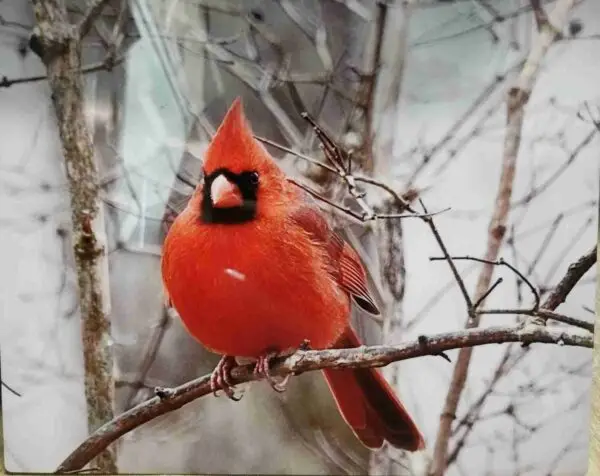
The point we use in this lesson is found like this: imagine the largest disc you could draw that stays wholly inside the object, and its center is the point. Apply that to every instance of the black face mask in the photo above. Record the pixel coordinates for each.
(247, 183)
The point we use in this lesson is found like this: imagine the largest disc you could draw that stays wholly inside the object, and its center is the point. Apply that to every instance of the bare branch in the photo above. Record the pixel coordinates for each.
(401, 200)
(340, 164)
(574, 274)
(304, 361)
(362, 218)
(517, 12)
(558, 295)
(448, 258)
(94, 10)
(304, 157)
(500, 262)
(546, 314)
(543, 314)
(150, 353)
(490, 290)
(10, 389)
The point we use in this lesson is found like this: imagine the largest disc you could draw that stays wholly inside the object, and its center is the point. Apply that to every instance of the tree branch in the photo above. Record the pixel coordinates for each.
(94, 9)
(10, 389)
(304, 361)
(574, 274)
(543, 315)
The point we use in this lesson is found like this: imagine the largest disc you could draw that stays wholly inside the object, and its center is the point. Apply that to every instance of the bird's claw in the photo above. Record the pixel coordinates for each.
(305, 345)
(221, 378)
(262, 370)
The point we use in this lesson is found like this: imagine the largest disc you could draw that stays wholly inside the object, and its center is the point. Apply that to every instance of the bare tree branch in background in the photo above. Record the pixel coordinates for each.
(517, 12)
(517, 99)
(574, 274)
(149, 355)
(58, 43)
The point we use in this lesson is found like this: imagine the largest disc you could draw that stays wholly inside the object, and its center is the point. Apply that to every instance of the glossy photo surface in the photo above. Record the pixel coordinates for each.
(300, 237)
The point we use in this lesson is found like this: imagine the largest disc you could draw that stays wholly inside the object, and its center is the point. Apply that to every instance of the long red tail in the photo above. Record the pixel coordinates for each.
(369, 405)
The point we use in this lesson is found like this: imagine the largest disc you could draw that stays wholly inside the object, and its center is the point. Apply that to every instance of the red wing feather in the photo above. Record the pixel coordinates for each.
(354, 279)
(346, 267)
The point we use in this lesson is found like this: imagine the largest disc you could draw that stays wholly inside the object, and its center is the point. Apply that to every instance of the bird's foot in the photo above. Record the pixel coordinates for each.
(262, 370)
(305, 345)
(221, 378)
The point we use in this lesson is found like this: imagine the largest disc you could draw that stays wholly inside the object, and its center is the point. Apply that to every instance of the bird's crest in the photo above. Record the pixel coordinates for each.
(234, 147)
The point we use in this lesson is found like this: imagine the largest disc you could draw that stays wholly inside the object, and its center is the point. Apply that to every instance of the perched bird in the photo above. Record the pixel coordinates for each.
(253, 268)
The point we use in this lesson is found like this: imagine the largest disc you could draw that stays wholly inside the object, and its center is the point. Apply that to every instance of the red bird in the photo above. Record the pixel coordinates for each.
(253, 268)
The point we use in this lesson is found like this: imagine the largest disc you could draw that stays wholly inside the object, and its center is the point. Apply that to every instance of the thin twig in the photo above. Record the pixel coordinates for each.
(297, 154)
(499, 262)
(341, 162)
(402, 200)
(448, 258)
(484, 296)
(10, 389)
(150, 353)
(544, 314)
(362, 218)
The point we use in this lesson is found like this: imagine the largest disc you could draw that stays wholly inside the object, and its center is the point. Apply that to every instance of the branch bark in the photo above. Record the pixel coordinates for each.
(574, 274)
(518, 97)
(58, 43)
(304, 361)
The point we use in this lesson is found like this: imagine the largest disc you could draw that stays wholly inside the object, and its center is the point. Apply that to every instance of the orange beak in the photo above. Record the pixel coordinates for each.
(225, 194)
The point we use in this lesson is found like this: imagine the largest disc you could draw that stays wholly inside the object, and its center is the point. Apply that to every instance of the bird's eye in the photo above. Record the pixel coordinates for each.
(253, 178)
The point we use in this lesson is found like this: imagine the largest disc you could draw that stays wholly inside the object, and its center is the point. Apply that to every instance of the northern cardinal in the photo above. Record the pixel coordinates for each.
(253, 268)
